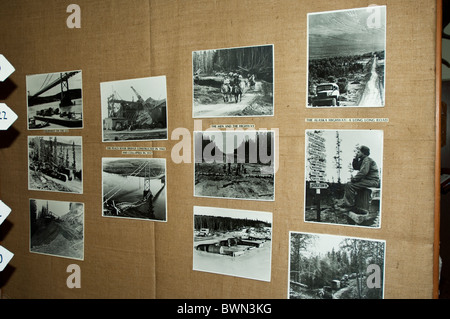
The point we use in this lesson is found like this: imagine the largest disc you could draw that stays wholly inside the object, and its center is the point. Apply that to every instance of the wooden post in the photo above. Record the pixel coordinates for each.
(318, 204)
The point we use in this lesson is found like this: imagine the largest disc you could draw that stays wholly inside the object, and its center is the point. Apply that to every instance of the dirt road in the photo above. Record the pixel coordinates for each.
(224, 109)
(372, 95)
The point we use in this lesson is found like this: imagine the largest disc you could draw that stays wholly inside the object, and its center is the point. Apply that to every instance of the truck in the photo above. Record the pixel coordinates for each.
(326, 94)
(203, 232)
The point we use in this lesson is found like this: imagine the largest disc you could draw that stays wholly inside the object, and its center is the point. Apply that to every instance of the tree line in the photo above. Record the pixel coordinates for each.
(54, 152)
(334, 68)
(258, 150)
(247, 60)
(224, 224)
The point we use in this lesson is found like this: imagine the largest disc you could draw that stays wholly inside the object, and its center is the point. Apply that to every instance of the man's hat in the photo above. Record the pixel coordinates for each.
(365, 150)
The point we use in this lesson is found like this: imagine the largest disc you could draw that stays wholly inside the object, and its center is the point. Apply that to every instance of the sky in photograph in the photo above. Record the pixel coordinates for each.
(232, 139)
(149, 87)
(61, 139)
(35, 82)
(346, 32)
(324, 243)
(58, 208)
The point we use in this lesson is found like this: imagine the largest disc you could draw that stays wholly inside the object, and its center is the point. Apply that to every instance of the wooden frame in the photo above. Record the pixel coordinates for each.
(436, 272)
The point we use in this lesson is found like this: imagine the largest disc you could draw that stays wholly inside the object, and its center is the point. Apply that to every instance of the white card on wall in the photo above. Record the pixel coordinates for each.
(5, 257)
(7, 117)
(6, 68)
(4, 211)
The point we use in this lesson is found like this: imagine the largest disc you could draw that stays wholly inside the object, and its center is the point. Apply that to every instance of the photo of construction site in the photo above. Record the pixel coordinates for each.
(57, 228)
(233, 242)
(55, 163)
(134, 109)
(134, 188)
(54, 100)
(335, 267)
(235, 164)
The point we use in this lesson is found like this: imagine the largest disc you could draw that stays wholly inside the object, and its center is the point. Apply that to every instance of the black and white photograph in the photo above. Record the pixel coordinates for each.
(55, 164)
(343, 173)
(57, 228)
(233, 242)
(55, 100)
(235, 164)
(134, 109)
(233, 82)
(134, 188)
(346, 58)
(335, 267)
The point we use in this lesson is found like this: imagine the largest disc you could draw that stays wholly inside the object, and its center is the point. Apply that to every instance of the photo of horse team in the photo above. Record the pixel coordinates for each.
(234, 82)
(234, 85)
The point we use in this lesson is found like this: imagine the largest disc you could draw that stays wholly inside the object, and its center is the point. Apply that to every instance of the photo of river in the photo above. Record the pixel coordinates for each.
(134, 188)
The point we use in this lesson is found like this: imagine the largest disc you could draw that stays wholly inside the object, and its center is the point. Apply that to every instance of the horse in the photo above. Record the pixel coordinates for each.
(237, 92)
(226, 92)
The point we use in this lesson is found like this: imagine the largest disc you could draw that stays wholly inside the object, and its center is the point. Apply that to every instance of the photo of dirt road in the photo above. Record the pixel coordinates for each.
(346, 58)
(233, 82)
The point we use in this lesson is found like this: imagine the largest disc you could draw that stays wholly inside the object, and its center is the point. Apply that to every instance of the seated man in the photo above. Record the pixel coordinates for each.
(366, 177)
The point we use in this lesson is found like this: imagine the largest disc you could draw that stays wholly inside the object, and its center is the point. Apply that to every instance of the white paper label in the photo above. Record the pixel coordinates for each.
(5, 257)
(4, 212)
(6, 68)
(7, 117)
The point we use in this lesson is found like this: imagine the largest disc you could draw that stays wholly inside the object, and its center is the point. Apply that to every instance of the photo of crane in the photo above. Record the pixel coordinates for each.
(54, 100)
(134, 109)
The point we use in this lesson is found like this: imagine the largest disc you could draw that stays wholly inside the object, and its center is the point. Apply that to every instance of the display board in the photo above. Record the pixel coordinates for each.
(207, 149)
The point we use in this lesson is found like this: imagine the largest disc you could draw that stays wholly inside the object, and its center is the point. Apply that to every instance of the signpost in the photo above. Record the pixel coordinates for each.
(318, 185)
(317, 163)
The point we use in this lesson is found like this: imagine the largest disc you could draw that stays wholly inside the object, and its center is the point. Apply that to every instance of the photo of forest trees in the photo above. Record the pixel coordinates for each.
(233, 82)
(55, 163)
(335, 267)
(236, 164)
